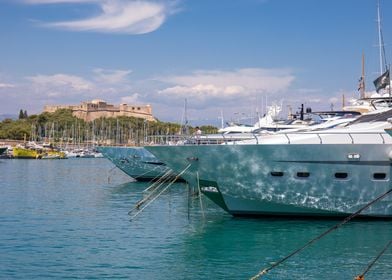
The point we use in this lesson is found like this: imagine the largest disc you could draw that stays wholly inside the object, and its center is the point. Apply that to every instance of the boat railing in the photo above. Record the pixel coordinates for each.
(203, 139)
(217, 139)
(351, 137)
(321, 137)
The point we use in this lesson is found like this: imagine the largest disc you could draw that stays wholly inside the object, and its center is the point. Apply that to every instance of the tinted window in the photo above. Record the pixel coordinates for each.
(379, 176)
(277, 173)
(303, 174)
(341, 175)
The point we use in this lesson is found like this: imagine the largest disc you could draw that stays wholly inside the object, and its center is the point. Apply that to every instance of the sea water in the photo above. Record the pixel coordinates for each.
(69, 219)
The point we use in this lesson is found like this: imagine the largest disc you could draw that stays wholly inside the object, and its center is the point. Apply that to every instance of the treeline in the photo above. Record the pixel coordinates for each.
(62, 127)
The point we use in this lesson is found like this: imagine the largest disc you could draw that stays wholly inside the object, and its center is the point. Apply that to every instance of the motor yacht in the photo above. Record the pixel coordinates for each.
(327, 172)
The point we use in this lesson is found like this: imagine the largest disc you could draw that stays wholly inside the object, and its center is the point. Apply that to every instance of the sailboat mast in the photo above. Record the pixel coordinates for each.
(184, 122)
(363, 77)
(186, 113)
(380, 45)
(221, 117)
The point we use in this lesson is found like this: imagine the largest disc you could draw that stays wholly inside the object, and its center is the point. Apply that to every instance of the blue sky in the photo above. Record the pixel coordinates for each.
(233, 56)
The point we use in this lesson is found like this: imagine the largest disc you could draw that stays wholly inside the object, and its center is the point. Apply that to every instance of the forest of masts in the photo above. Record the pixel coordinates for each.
(105, 132)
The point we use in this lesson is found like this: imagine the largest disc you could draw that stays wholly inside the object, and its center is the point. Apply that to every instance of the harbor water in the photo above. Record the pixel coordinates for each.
(69, 219)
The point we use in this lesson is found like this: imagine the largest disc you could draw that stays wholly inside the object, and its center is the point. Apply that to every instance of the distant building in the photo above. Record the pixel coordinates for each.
(95, 109)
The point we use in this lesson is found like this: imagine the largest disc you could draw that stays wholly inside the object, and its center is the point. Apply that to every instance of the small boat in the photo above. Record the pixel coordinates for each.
(36, 151)
(53, 155)
(25, 153)
(83, 153)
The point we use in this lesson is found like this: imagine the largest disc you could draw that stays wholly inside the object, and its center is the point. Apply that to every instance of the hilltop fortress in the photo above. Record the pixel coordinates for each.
(95, 109)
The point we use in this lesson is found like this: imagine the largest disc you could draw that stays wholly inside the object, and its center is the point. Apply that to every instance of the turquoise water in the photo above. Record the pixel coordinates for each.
(68, 219)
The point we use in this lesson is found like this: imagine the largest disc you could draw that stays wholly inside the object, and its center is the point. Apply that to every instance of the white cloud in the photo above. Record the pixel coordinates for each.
(5, 85)
(308, 90)
(117, 16)
(207, 92)
(62, 81)
(203, 85)
(333, 100)
(110, 85)
(131, 99)
(111, 76)
(204, 91)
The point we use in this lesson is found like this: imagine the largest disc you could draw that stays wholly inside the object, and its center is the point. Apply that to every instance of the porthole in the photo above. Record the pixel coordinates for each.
(341, 175)
(379, 176)
(303, 174)
(276, 173)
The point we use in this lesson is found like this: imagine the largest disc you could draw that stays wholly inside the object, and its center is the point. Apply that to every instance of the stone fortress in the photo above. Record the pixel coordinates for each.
(89, 111)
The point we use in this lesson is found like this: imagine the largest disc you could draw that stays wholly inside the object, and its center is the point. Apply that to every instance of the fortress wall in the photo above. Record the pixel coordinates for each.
(95, 109)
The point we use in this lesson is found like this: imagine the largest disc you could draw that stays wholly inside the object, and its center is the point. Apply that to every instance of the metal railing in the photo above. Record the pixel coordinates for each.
(218, 139)
(319, 135)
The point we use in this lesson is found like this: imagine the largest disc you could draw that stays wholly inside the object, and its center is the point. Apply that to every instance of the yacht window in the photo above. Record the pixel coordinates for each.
(376, 117)
(341, 175)
(303, 174)
(276, 173)
(379, 176)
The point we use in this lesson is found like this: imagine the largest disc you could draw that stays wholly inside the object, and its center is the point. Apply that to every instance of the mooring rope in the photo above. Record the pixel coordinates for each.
(162, 178)
(143, 200)
(200, 200)
(266, 270)
(362, 276)
(161, 192)
(188, 188)
(148, 171)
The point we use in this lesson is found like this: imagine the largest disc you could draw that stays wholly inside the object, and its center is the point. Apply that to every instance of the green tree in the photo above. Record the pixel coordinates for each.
(62, 126)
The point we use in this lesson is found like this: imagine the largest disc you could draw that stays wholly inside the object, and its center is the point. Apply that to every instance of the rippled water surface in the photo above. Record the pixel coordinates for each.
(68, 219)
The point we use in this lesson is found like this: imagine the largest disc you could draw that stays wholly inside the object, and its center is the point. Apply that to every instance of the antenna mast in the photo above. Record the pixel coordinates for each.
(381, 46)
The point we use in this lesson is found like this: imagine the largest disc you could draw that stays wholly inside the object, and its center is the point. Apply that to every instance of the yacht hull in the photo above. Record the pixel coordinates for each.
(136, 162)
(287, 180)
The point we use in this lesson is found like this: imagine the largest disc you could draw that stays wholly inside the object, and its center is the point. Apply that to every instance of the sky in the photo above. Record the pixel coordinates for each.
(226, 58)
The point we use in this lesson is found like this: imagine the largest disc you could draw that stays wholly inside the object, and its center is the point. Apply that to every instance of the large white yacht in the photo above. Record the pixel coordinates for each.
(269, 122)
(329, 172)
